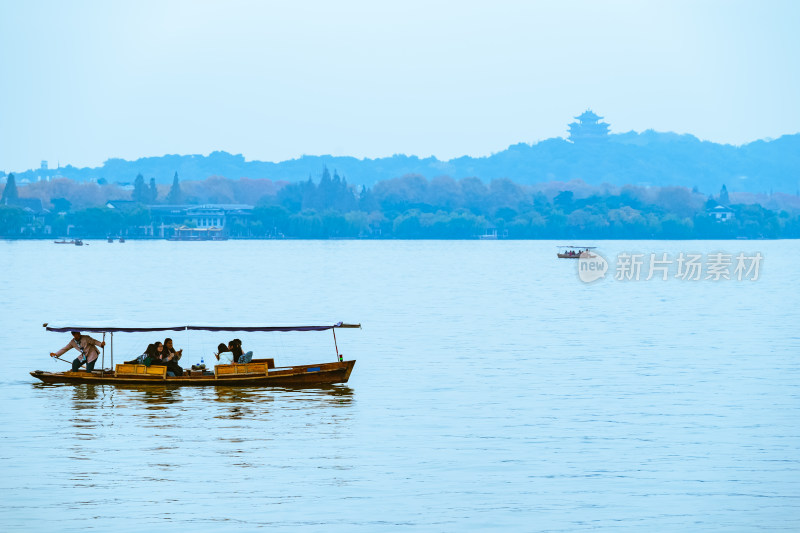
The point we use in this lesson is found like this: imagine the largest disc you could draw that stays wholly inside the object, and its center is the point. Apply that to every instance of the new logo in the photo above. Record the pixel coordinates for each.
(591, 266)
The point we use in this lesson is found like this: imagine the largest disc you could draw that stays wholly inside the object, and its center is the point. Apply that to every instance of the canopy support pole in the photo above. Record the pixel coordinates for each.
(112, 350)
(338, 357)
(103, 359)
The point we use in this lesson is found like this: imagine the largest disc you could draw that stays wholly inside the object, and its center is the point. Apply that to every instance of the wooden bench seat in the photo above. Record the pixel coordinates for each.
(141, 371)
(236, 370)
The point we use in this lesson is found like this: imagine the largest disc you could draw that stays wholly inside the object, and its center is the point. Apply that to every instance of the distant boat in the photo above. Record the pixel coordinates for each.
(122, 239)
(575, 252)
(111, 239)
(76, 242)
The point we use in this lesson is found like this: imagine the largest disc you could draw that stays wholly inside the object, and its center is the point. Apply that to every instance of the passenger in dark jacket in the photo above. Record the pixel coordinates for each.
(156, 354)
(159, 357)
(172, 357)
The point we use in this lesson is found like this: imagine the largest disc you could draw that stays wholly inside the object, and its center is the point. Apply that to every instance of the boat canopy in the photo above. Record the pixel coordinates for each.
(108, 328)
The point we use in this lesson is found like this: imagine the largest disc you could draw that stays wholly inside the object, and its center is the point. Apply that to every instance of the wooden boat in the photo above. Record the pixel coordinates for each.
(76, 242)
(256, 373)
(575, 252)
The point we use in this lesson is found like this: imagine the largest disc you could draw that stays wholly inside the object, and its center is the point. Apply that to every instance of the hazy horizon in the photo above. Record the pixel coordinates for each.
(89, 81)
(63, 164)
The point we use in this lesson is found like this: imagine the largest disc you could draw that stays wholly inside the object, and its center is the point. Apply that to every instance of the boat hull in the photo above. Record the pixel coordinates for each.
(293, 376)
(573, 256)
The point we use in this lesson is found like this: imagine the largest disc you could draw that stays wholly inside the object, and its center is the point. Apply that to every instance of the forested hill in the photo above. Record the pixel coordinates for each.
(649, 158)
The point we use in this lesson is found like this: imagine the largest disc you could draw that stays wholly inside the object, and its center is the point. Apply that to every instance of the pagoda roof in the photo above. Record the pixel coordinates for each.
(588, 115)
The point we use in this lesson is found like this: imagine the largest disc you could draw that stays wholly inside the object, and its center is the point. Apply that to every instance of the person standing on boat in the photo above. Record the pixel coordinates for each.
(87, 347)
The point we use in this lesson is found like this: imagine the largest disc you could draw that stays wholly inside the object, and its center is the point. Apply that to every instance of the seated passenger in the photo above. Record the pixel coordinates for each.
(170, 349)
(159, 357)
(235, 346)
(172, 357)
(145, 358)
(156, 354)
(223, 354)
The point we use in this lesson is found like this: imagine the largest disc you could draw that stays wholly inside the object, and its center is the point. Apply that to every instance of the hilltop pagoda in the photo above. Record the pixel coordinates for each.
(588, 128)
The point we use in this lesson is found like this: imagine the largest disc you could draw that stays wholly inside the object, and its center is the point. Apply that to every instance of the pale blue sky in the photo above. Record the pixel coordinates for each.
(86, 81)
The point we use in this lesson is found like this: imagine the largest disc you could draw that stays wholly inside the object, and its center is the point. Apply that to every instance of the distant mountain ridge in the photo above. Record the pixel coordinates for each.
(646, 158)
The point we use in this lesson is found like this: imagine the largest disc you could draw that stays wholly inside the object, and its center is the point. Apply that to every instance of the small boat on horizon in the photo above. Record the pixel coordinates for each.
(76, 242)
(575, 252)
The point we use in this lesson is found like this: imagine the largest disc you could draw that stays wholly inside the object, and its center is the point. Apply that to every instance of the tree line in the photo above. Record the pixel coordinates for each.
(408, 207)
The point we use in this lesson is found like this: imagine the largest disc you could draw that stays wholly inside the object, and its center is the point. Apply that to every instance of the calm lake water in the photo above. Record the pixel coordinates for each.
(493, 391)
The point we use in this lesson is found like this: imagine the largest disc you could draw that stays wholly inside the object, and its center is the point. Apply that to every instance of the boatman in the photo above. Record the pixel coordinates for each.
(87, 347)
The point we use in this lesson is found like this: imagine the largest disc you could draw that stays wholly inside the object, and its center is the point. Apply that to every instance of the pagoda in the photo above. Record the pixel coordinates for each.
(588, 128)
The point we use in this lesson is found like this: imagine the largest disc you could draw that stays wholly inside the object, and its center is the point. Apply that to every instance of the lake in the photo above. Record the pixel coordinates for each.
(493, 390)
